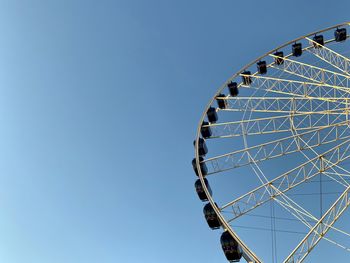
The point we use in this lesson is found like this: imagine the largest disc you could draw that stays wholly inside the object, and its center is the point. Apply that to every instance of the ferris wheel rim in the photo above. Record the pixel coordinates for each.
(248, 254)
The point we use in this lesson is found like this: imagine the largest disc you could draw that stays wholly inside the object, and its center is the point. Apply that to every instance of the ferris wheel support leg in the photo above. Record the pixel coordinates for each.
(320, 229)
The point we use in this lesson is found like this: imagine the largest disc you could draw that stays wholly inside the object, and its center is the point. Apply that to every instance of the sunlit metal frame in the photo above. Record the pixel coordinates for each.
(318, 164)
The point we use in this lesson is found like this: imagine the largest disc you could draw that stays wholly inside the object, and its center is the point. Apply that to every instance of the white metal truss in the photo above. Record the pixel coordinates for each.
(283, 104)
(328, 78)
(314, 232)
(288, 180)
(316, 90)
(287, 203)
(301, 214)
(331, 57)
(307, 101)
(275, 124)
(277, 148)
(320, 229)
(290, 205)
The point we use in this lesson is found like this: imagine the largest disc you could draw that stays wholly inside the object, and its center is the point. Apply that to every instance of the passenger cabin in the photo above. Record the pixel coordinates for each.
(200, 191)
(319, 42)
(222, 103)
(247, 79)
(231, 248)
(233, 89)
(262, 69)
(202, 165)
(202, 147)
(279, 57)
(212, 115)
(211, 217)
(297, 49)
(205, 130)
(340, 34)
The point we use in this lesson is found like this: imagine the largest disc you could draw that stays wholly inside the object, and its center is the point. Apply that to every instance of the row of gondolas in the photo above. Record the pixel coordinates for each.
(340, 35)
(230, 246)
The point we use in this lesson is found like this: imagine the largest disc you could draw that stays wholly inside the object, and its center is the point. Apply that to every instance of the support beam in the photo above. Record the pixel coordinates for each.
(283, 104)
(275, 124)
(314, 74)
(281, 147)
(320, 229)
(318, 89)
(288, 180)
(333, 58)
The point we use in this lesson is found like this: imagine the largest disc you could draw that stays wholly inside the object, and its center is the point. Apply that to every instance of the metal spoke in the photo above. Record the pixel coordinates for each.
(328, 78)
(275, 124)
(289, 180)
(320, 229)
(283, 104)
(288, 203)
(278, 148)
(317, 90)
(297, 88)
(300, 216)
(291, 106)
(333, 58)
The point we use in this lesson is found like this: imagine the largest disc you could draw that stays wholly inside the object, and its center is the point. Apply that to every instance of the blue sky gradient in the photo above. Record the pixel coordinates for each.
(99, 106)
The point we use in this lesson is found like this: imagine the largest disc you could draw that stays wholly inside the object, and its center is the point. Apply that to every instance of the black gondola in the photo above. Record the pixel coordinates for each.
(202, 147)
(297, 49)
(211, 217)
(212, 115)
(262, 69)
(206, 131)
(222, 103)
(203, 166)
(279, 57)
(247, 80)
(199, 189)
(231, 248)
(233, 89)
(340, 34)
(318, 41)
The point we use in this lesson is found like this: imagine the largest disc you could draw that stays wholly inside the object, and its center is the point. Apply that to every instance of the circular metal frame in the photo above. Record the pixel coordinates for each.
(248, 254)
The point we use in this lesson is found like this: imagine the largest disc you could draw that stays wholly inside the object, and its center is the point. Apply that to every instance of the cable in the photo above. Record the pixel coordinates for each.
(278, 218)
(272, 235)
(269, 217)
(274, 228)
(327, 193)
(321, 209)
(268, 229)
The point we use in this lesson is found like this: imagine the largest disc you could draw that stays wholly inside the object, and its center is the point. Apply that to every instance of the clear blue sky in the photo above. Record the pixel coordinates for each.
(99, 103)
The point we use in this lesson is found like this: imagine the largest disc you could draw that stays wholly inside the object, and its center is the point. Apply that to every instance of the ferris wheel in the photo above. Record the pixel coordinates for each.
(272, 153)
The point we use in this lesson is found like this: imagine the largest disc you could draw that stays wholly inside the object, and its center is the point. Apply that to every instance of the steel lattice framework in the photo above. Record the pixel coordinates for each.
(297, 111)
